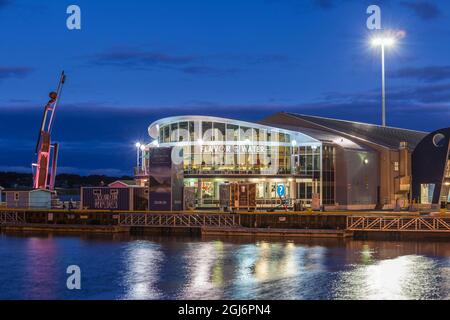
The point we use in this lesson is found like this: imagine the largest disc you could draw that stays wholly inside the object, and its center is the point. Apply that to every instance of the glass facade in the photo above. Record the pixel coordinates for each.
(218, 150)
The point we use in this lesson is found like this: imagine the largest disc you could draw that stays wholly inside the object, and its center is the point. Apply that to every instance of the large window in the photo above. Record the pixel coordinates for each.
(219, 146)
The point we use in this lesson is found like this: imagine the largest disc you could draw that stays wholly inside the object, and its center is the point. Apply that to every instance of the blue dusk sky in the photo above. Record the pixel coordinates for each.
(136, 61)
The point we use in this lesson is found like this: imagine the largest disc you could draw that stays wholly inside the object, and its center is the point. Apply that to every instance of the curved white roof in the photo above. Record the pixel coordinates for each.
(153, 129)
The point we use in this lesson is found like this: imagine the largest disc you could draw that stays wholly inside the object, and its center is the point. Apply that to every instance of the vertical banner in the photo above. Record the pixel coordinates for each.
(160, 179)
(165, 179)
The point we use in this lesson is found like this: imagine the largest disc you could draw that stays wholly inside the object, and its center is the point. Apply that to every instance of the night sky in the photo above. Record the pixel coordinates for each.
(136, 61)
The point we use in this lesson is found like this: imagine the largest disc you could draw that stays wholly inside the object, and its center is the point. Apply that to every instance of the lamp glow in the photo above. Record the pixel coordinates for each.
(383, 41)
(138, 145)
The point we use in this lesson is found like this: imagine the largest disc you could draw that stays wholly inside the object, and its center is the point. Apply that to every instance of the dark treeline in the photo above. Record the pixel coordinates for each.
(69, 181)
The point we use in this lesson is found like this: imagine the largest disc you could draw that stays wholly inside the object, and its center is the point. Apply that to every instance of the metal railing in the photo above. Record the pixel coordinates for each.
(178, 220)
(398, 224)
(12, 218)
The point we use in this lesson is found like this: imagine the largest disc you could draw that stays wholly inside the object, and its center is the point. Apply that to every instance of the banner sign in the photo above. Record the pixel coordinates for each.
(160, 179)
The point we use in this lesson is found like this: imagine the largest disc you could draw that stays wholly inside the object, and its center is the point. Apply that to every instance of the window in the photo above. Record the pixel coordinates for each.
(232, 132)
(16, 196)
(219, 132)
(207, 131)
(184, 132)
(97, 192)
(166, 135)
(396, 166)
(174, 132)
(426, 193)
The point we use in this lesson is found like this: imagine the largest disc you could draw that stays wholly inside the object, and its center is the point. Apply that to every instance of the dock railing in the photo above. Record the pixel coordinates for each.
(178, 220)
(12, 217)
(398, 224)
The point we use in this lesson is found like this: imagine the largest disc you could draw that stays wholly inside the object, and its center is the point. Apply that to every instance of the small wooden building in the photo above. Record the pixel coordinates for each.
(28, 198)
(122, 195)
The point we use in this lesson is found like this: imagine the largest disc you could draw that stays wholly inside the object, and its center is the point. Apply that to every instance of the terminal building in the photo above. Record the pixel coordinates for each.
(319, 161)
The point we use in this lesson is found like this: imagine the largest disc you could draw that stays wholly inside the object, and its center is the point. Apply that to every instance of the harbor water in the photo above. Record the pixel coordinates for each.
(126, 267)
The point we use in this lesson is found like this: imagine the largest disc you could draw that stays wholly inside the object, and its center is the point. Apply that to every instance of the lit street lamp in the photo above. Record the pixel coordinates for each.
(383, 42)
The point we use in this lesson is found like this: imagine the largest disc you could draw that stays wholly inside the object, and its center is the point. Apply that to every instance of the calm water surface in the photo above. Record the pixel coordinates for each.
(34, 267)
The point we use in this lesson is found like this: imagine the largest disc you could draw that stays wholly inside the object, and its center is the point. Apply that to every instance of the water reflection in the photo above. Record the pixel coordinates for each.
(204, 267)
(41, 268)
(142, 270)
(405, 277)
(174, 268)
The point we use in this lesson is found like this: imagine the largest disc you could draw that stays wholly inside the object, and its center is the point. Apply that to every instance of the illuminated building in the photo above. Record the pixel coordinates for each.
(320, 161)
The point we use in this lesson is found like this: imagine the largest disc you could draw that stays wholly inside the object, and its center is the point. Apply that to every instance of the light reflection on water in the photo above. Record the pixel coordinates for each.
(188, 268)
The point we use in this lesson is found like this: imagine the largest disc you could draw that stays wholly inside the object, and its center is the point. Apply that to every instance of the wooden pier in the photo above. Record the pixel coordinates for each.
(279, 224)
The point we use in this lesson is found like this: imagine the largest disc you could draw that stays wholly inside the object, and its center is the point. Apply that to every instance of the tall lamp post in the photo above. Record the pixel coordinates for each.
(384, 41)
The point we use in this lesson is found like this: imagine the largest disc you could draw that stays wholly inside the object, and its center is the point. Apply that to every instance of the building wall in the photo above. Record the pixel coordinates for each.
(429, 162)
(387, 157)
(21, 203)
(105, 198)
(356, 178)
(40, 199)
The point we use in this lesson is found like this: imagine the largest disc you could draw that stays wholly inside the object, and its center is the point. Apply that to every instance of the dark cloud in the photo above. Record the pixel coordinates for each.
(423, 9)
(428, 74)
(425, 94)
(324, 4)
(140, 58)
(201, 70)
(14, 72)
(4, 3)
(210, 65)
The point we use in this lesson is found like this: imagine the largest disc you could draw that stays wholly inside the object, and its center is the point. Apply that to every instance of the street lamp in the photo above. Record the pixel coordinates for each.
(383, 41)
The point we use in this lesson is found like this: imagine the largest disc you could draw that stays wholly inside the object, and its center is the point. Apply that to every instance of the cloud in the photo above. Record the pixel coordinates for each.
(4, 3)
(201, 70)
(14, 72)
(140, 58)
(423, 9)
(208, 65)
(424, 94)
(427, 74)
(324, 4)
